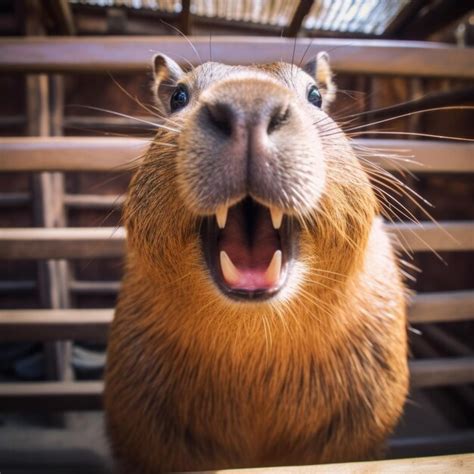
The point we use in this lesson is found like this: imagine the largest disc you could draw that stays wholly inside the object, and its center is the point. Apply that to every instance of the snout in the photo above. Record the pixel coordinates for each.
(249, 138)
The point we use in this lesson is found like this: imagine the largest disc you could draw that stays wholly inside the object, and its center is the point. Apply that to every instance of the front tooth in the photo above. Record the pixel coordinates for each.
(277, 217)
(272, 275)
(230, 272)
(221, 216)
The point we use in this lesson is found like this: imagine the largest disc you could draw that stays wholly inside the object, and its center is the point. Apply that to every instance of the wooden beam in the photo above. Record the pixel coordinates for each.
(105, 242)
(449, 236)
(442, 307)
(55, 324)
(185, 17)
(92, 324)
(419, 156)
(54, 243)
(301, 11)
(91, 201)
(448, 98)
(99, 123)
(94, 287)
(62, 16)
(118, 54)
(404, 17)
(459, 463)
(70, 154)
(433, 18)
(120, 154)
(442, 372)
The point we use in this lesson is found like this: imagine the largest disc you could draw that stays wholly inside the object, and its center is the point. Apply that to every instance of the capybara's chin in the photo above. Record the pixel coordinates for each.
(262, 316)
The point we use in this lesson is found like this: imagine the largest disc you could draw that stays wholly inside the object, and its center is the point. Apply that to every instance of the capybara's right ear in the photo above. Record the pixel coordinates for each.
(166, 73)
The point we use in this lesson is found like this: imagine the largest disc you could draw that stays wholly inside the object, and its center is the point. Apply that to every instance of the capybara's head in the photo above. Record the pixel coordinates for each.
(249, 189)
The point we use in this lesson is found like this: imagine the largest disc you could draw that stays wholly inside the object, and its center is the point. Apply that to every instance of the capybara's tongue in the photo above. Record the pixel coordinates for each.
(249, 248)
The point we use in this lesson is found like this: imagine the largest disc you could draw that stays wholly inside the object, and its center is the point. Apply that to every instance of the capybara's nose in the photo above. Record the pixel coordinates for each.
(245, 126)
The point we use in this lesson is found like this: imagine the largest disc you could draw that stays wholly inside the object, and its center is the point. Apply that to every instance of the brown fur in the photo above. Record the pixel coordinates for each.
(197, 381)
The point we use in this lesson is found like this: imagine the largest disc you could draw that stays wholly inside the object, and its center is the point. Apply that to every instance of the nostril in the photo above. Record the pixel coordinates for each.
(278, 118)
(221, 117)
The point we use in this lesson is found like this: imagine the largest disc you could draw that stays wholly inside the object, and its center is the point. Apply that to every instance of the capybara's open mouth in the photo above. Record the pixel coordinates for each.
(249, 249)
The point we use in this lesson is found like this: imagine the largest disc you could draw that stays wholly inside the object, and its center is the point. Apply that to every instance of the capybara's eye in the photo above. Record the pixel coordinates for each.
(180, 98)
(314, 96)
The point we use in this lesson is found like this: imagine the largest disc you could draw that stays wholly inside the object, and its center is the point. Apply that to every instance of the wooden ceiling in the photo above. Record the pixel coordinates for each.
(411, 19)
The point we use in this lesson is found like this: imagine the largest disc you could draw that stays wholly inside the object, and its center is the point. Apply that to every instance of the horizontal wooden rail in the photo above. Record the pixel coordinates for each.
(87, 395)
(442, 307)
(449, 236)
(120, 54)
(70, 154)
(442, 372)
(119, 154)
(55, 324)
(92, 324)
(94, 287)
(71, 242)
(91, 201)
(104, 242)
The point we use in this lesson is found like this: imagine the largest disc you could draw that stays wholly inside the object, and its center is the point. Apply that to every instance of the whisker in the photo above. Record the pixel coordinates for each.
(428, 135)
(409, 114)
(119, 114)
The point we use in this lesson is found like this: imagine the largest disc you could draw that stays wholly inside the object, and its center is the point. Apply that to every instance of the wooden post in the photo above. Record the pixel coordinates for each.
(44, 95)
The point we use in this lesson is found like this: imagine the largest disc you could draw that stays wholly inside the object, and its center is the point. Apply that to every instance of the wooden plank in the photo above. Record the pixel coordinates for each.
(70, 154)
(92, 201)
(433, 18)
(55, 324)
(105, 242)
(301, 11)
(73, 243)
(418, 156)
(404, 17)
(92, 324)
(442, 307)
(118, 154)
(452, 236)
(62, 16)
(442, 372)
(185, 17)
(94, 287)
(119, 54)
(459, 463)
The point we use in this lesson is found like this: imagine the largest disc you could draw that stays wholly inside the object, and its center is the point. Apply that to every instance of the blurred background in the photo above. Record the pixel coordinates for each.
(61, 425)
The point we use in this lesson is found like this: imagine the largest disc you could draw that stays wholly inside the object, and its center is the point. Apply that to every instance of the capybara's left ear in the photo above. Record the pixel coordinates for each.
(320, 69)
